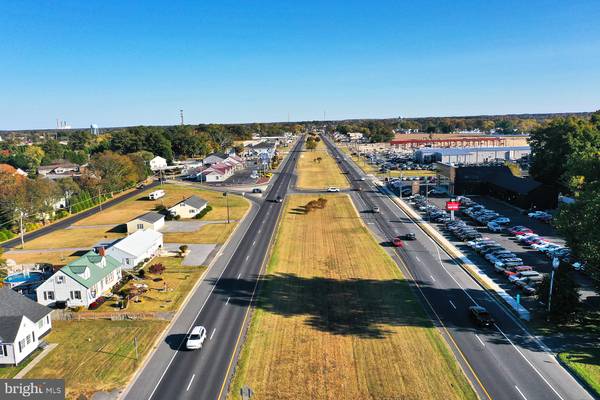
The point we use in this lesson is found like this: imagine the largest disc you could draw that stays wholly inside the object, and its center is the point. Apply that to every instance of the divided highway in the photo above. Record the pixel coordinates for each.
(504, 362)
(221, 304)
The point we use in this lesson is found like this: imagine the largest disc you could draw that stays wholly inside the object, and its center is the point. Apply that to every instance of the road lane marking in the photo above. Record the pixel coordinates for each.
(521, 393)
(190, 384)
(418, 259)
(212, 334)
(227, 302)
(529, 362)
(247, 257)
(452, 304)
(253, 243)
(240, 274)
(259, 230)
(432, 278)
(480, 341)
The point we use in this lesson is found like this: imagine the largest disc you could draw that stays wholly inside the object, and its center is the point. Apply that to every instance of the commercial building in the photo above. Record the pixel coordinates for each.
(470, 155)
(499, 182)
(415, 141)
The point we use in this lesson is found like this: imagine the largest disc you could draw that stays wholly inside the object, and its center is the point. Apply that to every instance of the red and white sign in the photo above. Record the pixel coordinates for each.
(452, 205)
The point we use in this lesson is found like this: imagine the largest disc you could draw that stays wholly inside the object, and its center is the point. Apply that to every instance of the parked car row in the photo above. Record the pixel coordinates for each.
(507, 263)
(529, 239)
(494, 221)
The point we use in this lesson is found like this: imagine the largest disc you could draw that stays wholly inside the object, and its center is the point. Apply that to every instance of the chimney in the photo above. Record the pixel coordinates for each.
(101, 251)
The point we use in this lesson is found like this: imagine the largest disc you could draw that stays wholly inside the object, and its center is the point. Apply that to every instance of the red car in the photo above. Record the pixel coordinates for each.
(512, 271)
(519, 230)
(397, 242)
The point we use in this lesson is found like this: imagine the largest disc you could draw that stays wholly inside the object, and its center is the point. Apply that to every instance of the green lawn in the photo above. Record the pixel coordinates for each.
(586, 364)
(9, 372)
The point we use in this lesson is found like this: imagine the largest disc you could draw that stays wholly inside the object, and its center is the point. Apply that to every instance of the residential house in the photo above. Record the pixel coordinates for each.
(151, 220)
(189, 207)
(22, 323)
(136, 248)
(158, 163)
(58, 170)
(82, 281)
(214, 158)
(264, 148)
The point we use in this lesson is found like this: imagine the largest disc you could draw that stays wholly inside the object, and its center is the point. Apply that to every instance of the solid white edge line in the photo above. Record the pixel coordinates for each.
(521, 393)
(529, 362)
(480, 341)
(452, 304)
(190, 384)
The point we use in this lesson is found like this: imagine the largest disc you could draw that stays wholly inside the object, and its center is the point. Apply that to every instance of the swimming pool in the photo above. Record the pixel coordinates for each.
(23, 277)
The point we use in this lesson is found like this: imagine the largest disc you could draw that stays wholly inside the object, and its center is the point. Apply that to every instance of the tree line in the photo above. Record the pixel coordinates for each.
(566, 155)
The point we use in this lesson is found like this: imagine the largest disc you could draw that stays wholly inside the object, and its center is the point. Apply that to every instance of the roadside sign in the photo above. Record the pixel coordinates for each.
(246, 392)
(452, 205)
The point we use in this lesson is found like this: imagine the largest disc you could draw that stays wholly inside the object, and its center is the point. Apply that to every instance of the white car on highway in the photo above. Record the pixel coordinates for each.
(333, 189)
(196, 338)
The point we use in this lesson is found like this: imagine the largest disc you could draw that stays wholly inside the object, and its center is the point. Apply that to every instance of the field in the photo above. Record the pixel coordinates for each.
(319, 175)
(585, 364)
(179, 280)
(58, 258)
(335, 319)
(106, 225)
(133, 207)
(211, 233)
(95, 355)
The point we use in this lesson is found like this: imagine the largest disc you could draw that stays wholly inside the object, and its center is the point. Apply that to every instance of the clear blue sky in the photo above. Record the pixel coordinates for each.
(124, 62)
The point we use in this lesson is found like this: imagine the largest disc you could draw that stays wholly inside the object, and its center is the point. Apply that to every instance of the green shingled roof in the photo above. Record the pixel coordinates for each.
(90, 260)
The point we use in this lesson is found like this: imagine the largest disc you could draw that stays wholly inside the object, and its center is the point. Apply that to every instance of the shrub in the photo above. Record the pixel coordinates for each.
(77, 309)
(95, 304)
(183, 248)
(160, 207)
(177, 217)
(203, 212)
(141, 273)
(156, 269)
(61, 214)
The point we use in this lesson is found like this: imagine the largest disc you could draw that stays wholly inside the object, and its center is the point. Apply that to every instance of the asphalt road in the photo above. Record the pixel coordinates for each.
(502, 362)
(220, 304)
(64, 223)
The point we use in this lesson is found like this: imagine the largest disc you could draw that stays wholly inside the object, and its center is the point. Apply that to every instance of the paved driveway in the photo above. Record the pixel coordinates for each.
(197, 255)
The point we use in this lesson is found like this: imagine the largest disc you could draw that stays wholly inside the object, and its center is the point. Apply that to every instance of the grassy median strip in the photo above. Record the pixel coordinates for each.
(335, 318)
(95, 355)
(319, 174)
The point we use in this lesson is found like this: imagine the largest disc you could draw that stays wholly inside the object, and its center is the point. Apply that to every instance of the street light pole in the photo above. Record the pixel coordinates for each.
(555, 265)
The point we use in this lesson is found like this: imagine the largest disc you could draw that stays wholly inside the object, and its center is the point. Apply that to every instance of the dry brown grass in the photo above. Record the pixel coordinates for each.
(84, 237)
(57, 258)
(319, 175)
(95, 355)
(138, 205)
(336, 320)
(207, 234)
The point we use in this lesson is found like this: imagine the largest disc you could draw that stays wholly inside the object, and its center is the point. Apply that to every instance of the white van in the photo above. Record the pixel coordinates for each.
(157, 194)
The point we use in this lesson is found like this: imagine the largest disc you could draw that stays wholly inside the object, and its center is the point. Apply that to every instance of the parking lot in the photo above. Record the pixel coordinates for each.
(502, 244)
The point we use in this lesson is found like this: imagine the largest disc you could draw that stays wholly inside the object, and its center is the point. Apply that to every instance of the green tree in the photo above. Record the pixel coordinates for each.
(115, 171)
(187, 142)
(565, 294)
(53, 151)
(80, 140)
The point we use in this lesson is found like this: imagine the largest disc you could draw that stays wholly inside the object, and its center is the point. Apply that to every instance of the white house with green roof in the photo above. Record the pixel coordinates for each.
(82, 281)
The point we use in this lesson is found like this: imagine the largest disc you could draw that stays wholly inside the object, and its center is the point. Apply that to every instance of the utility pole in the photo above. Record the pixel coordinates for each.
(555, 265)
(227, 205)
(21, 229)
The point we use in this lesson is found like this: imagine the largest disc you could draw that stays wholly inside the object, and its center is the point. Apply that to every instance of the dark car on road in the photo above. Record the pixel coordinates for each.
(481, 316)
(256, 190)
(409, 236)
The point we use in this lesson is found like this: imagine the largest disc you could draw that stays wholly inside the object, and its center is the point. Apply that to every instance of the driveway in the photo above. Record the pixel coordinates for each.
(198, 253)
